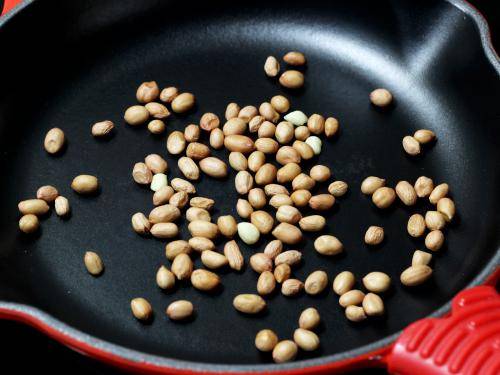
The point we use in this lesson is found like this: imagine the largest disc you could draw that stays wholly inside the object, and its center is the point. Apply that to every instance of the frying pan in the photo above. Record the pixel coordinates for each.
(70, 64)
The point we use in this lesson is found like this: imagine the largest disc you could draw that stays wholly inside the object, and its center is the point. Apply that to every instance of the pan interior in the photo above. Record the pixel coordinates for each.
(75, 63)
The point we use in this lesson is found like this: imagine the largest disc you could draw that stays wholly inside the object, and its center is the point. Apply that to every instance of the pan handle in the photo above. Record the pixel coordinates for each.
(8, 5)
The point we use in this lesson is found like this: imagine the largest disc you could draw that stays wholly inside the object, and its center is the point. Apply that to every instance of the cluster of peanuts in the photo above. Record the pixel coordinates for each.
(292, 78)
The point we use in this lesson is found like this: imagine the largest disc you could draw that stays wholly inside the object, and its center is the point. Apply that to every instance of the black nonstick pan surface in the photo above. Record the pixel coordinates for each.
(70, 64)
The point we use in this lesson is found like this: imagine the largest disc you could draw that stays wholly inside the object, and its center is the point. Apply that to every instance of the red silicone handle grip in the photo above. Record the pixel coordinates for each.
(8, 5)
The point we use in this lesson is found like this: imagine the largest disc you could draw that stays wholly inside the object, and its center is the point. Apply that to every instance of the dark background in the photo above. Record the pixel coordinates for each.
(23, 348)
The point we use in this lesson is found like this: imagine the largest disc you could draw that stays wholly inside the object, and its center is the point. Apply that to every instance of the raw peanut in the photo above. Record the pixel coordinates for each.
(301, 197)
(287, 154)
(424, 136)
(297, 118)
(288, 172)
(352, 297)
(438, 192)
(416, 275)
(304, 149)
(239, 143)
(374, 235)
(302, 133)
(257, 198)
(201, 244)
(267, 145)
(102, 128)
(141, 174)
(421, 258)
(248, 233)
(61, 206)
(244, 208)
(174, 248)
(93, 263)
(227, 226)
(147, 92)
(273, 248)
(249, 303)
(434, 240)
(416, 225)
(202, 202)
(192, 133)
(338, 188)
(320, 173)
(197, 151)
(287, 233)
(271, 66)
(328, 245)
(305, 339)
(381, 97)
(371, 184)
(156, 126)
(216, 138)
(183, 102)
(280, 103)
(285, 351)
(291, 287)
(213, 260)
(279, 200)
(266, 130)
(164, 278)
(238, 161)
(178, 184)
(294, 58)
(209, 121)
(292, 79)
(164, 214)
(331, 127)
(312, 223)
(355, 313)
(232, 111)
(85, 184)
(156, 163)
(309, 318)
(176, 143)
(411, 145)
(233, 255)
(303, 182)
(188, 168)
(234, 126)
(136, 115)
(140, 223)
(316, 124)
(158, 181)
(47, 193)
(316, 282)
(288, 214)
(179, 199)
(266, 174)
(182, 266)
(157, 110)
(373, 305)
(243, 182)
(434, 220)
(446, 207)
(423, 186)
(406, 193)
(162, 195)
(322, 202)
(168, 94)
(315, 143)
(29, 223)
(54, 141)
(263, 221)
(180, 310)
(343, 282)
(267, 111)
(290, 257)
(282, 272)
(255, 123)
(284, 132)
(141, 309)
(377, 282)
(275, 189)
(260, 262)
(266, 340)
(213, 167)
(164, 230)
(248, 112)
(200, 228)
(383, 197)
(256, 160)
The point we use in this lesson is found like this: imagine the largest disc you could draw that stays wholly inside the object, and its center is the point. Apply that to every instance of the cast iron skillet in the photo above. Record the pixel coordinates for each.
(70, 64)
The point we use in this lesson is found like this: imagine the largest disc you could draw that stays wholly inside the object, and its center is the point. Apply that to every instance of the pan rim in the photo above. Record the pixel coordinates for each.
(117, 354)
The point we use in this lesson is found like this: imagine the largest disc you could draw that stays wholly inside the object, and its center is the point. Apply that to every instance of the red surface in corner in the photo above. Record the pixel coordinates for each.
(9, 4)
